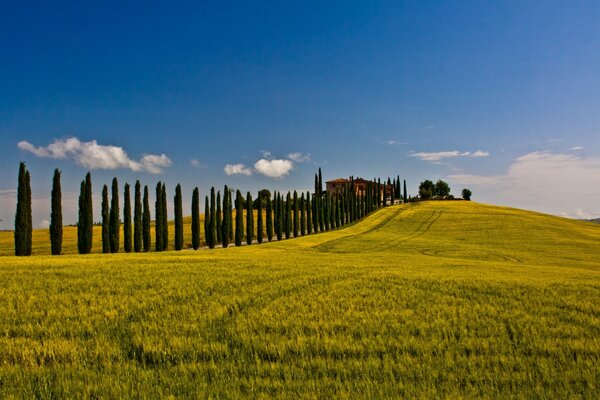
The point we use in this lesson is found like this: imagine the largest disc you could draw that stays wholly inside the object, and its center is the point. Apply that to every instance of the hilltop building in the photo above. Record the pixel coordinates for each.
(339, 185)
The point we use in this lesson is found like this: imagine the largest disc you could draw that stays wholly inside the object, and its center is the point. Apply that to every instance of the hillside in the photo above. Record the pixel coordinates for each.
(437, 299)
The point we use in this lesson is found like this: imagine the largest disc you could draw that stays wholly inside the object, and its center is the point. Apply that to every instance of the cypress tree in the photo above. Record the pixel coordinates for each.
(137, 218)
(259, 221)
(196, 219)
(338, 204)
(105, 221)
(28, 214)
(165, 218)
(226, 218)
(89, 215)
(206, 219)
(211, 236)
(316, 205)
(231, 232)
(128, 245)
(146, 220)
(280, 216)
(277, 216)
(56, 225)
(239, 218)
(218, 219)
(178, 206)
(342, 210)
(296, 223)
(81, 220)
(249, 219)
(269, 219)
(320, 183)
(325, 212)
(302, 215)
(114, 224)
(308, 214)
(288, 216)
(332, 213)
(158, 209)
(405, 195)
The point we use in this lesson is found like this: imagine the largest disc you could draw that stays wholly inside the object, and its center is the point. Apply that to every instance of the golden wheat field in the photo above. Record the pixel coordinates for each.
(427, 300)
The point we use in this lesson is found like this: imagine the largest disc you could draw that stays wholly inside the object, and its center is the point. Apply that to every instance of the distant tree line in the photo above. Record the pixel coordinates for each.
(439, 191)
(277, 215)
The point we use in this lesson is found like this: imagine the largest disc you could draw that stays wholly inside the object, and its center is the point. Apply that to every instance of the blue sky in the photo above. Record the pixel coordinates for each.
(501, 98)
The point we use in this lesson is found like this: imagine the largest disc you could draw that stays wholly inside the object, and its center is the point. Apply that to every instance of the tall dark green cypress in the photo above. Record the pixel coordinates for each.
(259, 220)
(277, 216)
(249, 219)
(325, 212)
(165, 218)
(146, 220)
(295, 221)
(230, 211)
(206, 219)
(309, 225)
(114, 224)
(81, 220)
(196, 219)
(211, 235)
(56, 225)
(178, 206)
(218, 220)
(302, 215)
(226, 217)
(137, 218)
(239, 218)
(269, 212)
(288, 216)
(28, 214)
(127, 242)
(158, 218)
(317, 206)
(405, 194)
(105, 221)
(89, 214)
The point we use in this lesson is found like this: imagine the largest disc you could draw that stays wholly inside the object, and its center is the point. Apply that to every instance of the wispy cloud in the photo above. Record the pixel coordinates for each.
(393, 142)
(299, 157)
(8, 193)
(95, 156)
(534, 179)
(440, 155)
(576, 148)
(237, 169)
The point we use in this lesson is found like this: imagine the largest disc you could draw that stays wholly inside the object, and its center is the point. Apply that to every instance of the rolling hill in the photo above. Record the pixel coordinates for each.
(436, 299)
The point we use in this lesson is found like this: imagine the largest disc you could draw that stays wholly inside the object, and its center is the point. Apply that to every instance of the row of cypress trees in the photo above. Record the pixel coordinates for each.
(291, 216)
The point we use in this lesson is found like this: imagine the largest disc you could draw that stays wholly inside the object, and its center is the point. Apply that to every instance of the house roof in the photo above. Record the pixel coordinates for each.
(338, 180)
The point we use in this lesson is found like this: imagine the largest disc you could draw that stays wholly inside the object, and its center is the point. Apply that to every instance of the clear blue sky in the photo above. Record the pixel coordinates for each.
(502, 98)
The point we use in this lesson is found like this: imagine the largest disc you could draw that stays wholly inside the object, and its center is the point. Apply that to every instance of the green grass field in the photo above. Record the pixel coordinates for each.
(438, 299)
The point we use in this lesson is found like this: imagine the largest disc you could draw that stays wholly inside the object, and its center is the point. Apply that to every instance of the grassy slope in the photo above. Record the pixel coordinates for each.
(427, 300)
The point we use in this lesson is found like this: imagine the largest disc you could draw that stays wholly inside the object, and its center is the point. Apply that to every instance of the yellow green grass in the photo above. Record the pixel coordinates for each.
(438, 299)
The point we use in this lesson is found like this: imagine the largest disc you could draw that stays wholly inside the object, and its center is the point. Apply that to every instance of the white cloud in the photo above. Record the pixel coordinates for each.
(440, 155)
(237, 169)
(575, 148)
(95, 156)
(196, 163)
(274, 168)
(299, 157)
(561, 184)
(265, 153)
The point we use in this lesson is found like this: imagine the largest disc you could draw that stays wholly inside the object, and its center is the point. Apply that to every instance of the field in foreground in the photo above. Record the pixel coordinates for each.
(429, 300)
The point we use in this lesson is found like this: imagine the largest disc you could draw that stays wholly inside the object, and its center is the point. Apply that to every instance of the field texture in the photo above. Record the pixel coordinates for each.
(439, 299)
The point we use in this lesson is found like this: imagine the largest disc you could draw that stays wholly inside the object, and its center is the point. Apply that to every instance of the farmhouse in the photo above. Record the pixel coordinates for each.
(339, 185)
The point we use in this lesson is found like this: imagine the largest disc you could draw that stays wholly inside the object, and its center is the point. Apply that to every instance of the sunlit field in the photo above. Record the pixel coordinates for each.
(437, 299)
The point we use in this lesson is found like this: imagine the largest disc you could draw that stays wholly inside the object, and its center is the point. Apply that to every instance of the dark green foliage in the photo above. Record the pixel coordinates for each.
(206, 218)
(230, 212)
(269, 221)
(426, 189)
(326, 210)
(225, 223)
(56, 225)
(196, 219)
(249, 219)
(81, 220)
(296, 222)
(218, 219)
(85, 222)
(405, 196)
(277, 216)
(466, 194)
(137, 218)
(441, 189)
(309, 224)
(165, 225)
(302, 215)
(239, 218)
(288, 216)
(158, 218)
(259, 223)
(105, 221)
(127, 242)
(178, 207)
(146, 220)
(114, 221)
(338, 211)
(211, 235)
